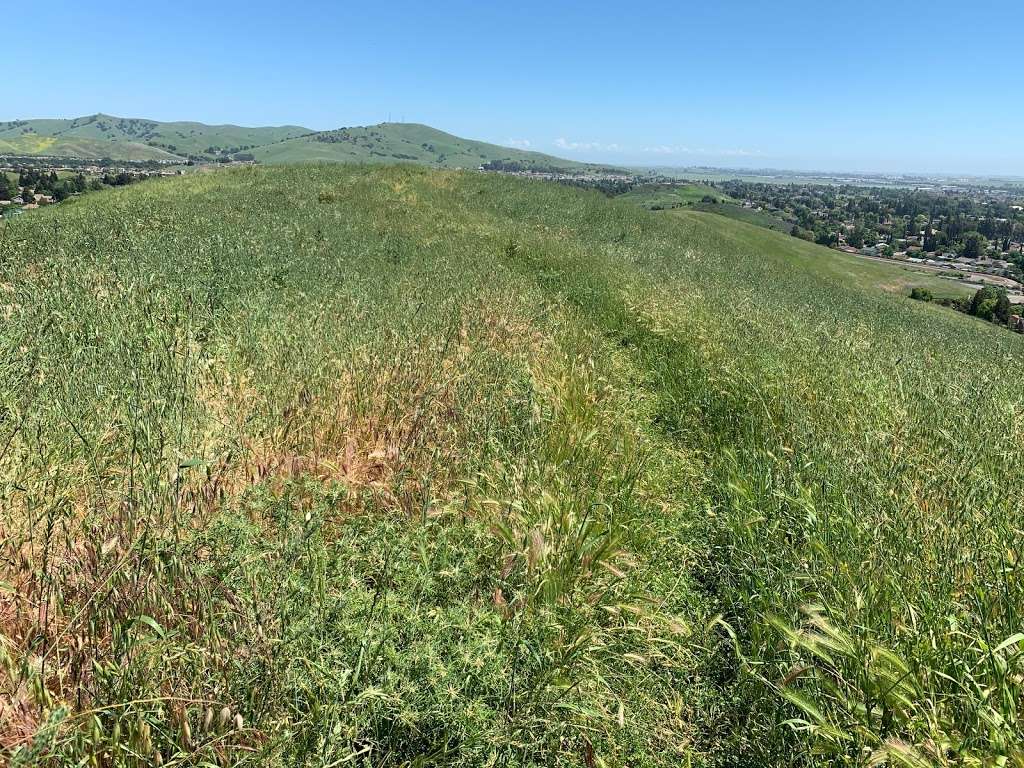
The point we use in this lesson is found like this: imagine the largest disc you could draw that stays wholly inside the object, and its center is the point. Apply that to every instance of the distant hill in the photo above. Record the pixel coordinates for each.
(403, 142)
(120, 138)
(131, 139)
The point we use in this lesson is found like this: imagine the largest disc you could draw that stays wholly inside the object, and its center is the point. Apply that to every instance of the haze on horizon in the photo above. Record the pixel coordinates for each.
(914, 88)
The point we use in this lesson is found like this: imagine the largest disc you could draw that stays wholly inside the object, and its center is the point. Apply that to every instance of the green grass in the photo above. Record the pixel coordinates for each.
(749, 215)
(436, 468)
(402, 142)
(119, 138)
(821, 262)
(658, 196)
(72, 147)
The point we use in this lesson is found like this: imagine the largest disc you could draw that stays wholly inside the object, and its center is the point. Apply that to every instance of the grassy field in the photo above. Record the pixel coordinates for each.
(430, 468)
(854, 271)
(749, 215)
(658, 196)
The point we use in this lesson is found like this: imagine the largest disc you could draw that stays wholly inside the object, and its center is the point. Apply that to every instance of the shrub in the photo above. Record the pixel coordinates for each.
(921, 294)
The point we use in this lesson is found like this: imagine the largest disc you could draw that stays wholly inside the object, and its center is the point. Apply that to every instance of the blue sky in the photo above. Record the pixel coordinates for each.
(902, 85)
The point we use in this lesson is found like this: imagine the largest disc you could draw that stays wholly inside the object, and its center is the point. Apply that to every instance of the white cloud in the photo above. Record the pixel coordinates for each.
(667, 150)
(585, 146)
(519, 143)
(664, 149)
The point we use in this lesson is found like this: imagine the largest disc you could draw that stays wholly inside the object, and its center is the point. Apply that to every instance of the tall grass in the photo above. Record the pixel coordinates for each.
(423, 468)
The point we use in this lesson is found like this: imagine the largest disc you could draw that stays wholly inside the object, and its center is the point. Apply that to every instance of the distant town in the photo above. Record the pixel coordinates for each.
(27, 183)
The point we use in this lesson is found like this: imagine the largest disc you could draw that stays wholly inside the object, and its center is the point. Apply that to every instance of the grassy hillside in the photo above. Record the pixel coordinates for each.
(402, 142)
(426, 468)
(749, 215)
(71, 147)
(659, 196)
(816, 260)
(119, 138)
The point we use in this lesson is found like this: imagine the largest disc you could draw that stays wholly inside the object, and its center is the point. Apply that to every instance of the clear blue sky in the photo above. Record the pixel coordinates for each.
(902, 85)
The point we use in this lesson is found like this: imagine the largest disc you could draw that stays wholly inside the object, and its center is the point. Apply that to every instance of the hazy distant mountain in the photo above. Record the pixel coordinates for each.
(118, 138)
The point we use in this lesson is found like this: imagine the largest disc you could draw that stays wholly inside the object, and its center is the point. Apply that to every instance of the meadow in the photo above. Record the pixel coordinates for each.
(658, 196)
(392, 466)
(749, 215)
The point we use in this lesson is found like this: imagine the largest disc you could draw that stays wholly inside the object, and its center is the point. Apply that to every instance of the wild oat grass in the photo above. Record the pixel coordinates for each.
(327, 466)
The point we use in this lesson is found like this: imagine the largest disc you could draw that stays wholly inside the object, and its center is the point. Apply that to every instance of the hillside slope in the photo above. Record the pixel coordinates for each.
(120, 138)
(403, 142)
(662, 196)
(460, 469)
(99, 136)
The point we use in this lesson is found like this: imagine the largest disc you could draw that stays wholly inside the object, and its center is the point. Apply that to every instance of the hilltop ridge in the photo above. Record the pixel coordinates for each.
(97, 136)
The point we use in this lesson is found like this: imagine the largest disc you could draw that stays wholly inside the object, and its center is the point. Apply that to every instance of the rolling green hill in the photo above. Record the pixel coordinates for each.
(893, 277)
(366, 465)
(820, 262)
(659, 196)
(403, 142)
(733, 210)
(121, 138)
(99, 136)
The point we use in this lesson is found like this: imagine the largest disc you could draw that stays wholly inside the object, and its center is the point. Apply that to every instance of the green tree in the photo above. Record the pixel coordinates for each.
(6, 191)
(990, 303)
(974, 245)
(1002, 310)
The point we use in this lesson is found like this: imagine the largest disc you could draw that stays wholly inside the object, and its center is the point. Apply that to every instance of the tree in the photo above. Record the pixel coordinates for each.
(826, 238)
(803, 234)
(990, 303)
(1002, 310)
(6, 192)
(974, 245)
